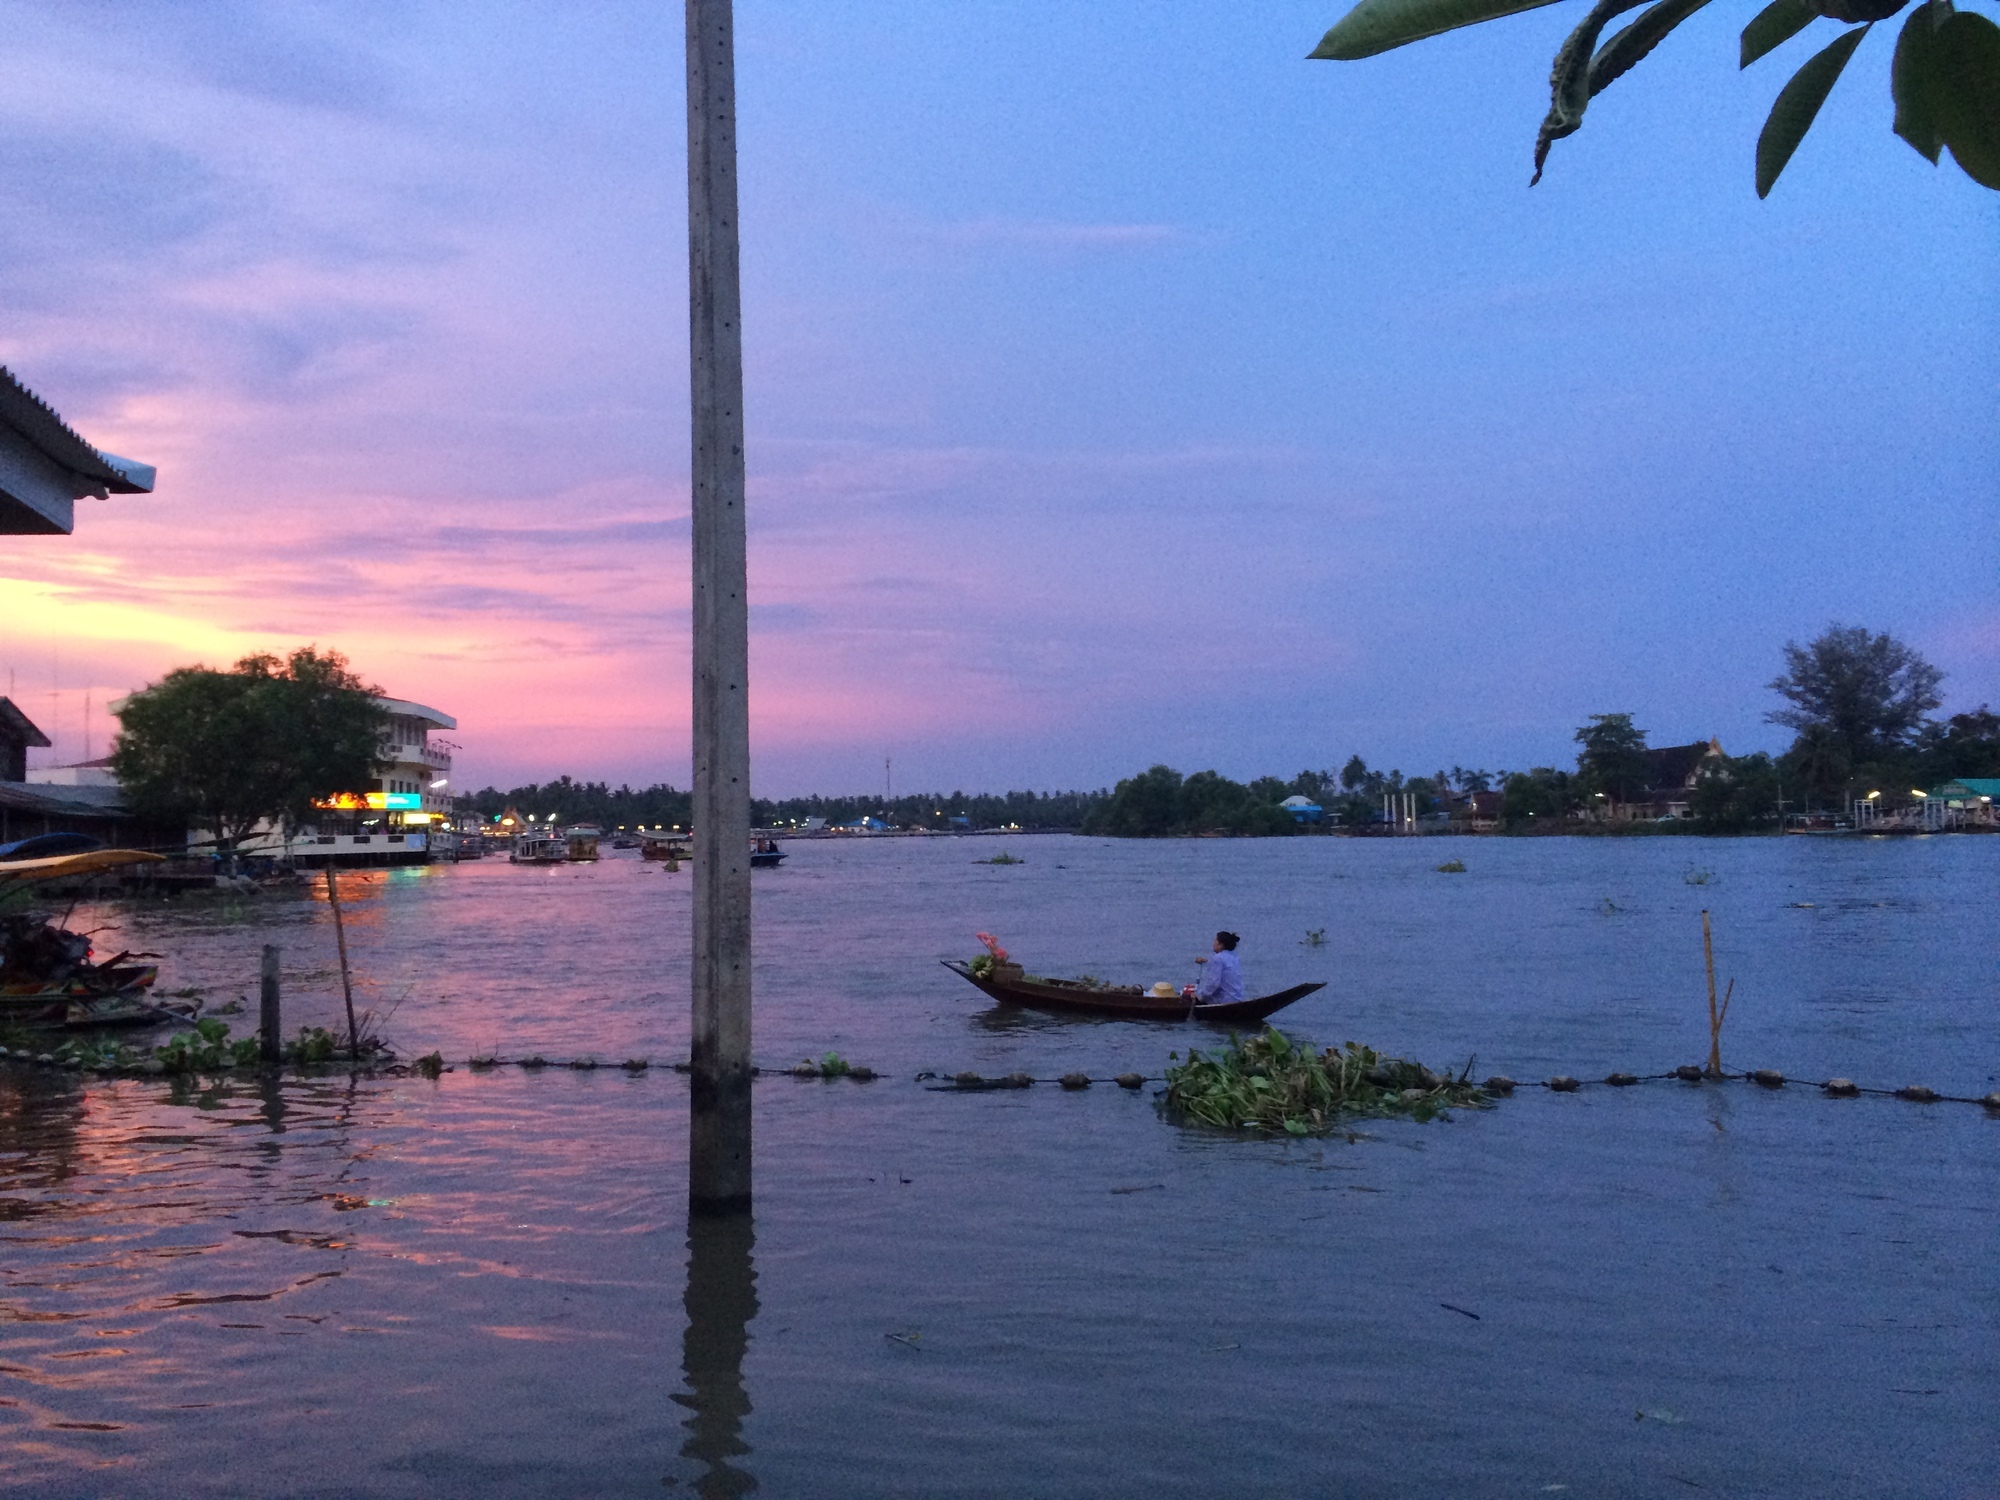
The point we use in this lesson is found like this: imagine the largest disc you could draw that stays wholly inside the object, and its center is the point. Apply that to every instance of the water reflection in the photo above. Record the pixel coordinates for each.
(721, 1301)
(41, 1117)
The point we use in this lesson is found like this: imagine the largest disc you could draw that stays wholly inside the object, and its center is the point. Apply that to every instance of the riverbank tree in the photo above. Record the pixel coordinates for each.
(259, 743)
(1861, 704)
(1162, 803)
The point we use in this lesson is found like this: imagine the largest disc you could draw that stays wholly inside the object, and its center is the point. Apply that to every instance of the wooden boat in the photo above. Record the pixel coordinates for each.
(765, 854)
(46, 976)
(666, 846)
(110, 994)
(1126, 1001)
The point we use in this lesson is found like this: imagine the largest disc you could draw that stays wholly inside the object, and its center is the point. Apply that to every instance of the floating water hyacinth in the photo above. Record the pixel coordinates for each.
(1271, 1082)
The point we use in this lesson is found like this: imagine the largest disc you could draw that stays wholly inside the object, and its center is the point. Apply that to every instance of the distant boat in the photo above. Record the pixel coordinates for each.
(580, 844)
(765, 854)
(666, 846)
(539, 849)
(1127, 1001)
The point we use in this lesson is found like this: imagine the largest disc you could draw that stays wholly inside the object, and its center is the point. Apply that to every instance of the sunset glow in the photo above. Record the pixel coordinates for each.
(1189, 408)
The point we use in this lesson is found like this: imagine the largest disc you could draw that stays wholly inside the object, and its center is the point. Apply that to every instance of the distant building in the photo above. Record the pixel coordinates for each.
(1968, 802)
(391, 823)
(18, 735)
(1672, 772)
(64, 799)
(1303, 809)
(1477, 811)
(45, 467)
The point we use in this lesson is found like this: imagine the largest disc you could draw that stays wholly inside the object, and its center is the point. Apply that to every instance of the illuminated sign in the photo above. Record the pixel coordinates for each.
(373, 802)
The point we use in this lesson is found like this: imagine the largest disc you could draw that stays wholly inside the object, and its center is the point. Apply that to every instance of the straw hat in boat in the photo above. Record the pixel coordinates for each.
(1164, 991)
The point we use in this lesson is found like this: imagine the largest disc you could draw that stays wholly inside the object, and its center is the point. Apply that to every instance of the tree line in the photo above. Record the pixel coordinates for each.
(571, 801)
(1860, 705)
(264, 741)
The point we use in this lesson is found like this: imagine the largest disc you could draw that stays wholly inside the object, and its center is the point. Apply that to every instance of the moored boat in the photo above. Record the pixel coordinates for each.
(1006, 984)
(539, 849)
(665, 846)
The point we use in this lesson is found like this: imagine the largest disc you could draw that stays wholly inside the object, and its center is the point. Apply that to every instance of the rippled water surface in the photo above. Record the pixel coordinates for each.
(486, 1284)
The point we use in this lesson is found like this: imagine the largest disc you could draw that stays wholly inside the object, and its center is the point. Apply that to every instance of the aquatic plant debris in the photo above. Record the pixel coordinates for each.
(1273, 1082)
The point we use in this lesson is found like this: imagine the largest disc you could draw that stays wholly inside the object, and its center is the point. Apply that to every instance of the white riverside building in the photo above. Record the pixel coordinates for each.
(398, 822)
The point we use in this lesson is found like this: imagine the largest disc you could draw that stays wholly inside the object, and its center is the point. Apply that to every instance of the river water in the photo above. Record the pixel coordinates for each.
(487, 1284)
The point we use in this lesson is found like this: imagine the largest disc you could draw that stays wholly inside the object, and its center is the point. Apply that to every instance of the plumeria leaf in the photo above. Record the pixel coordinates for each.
(1798, 105)
(1914, 79)
(1629, 47)
(1378, 25)
(1774, 25)
(1569, 80)
(1968, 105)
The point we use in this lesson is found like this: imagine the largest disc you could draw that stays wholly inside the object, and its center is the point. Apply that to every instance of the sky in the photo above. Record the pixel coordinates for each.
(1122, 387)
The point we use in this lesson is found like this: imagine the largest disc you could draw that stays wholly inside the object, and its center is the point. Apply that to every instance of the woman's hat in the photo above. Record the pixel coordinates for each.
(1164, 991)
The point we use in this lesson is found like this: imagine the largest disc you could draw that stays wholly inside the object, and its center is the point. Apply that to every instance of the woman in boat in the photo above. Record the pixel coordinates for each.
(1222, 978)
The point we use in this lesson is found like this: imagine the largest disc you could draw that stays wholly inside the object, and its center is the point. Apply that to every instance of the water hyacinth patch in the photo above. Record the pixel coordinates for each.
(1271, 1082)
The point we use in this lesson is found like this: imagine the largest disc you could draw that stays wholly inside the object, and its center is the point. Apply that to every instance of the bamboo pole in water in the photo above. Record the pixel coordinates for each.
(719, 1055)
(1714, 1017)
(346, 975)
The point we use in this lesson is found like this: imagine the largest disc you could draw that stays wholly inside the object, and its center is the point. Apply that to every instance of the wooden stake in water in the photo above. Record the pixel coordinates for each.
(719, 1055)
(346, 975)
(1714, 1016)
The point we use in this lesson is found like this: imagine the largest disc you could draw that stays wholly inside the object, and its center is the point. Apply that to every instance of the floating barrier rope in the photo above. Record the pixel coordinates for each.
(1497, 1086)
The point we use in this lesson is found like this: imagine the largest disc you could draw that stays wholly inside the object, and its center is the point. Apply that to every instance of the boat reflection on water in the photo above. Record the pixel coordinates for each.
(721, 1301)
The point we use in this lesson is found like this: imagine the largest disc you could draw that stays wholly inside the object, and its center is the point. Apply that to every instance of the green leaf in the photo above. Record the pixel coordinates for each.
(1968, 105)
(1629, 47)
(1378, 25)
(1914, 79)
(1774, 25)
(1569, 80)
(1798, 105)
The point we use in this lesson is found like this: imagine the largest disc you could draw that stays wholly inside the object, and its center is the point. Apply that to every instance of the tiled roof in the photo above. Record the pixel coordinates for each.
(32, 417)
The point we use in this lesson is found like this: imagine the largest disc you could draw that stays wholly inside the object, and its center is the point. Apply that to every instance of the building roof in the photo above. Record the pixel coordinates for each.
(418, 711)
(1673, 767)
(45, 465)
(63, 801)
(35, 420)
(1977, 786)
(16, 725)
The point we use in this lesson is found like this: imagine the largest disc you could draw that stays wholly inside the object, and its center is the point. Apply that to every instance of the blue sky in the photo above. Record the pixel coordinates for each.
(1122, 386)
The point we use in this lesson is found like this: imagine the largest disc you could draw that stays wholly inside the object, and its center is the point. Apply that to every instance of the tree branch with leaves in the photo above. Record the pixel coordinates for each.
(1944, 75)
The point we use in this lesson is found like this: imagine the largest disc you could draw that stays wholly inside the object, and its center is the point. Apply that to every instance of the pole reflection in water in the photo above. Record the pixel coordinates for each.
(721, 1301)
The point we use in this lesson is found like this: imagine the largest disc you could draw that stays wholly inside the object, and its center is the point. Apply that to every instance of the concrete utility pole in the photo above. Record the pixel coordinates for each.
(719, 1110)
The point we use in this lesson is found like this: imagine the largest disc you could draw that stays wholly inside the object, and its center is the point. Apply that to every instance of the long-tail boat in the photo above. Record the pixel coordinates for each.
(1008, 985)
